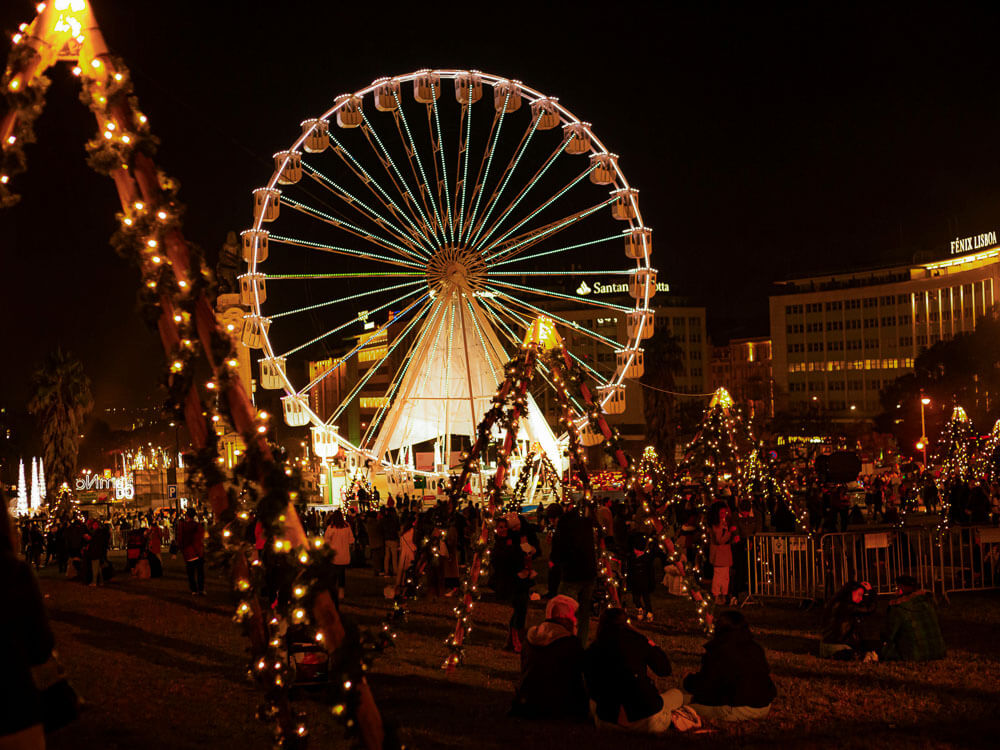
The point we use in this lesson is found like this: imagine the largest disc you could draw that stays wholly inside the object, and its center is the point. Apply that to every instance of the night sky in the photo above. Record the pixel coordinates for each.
(765, 144)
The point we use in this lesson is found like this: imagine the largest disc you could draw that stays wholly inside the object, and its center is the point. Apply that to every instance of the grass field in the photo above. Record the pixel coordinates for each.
(162, 669)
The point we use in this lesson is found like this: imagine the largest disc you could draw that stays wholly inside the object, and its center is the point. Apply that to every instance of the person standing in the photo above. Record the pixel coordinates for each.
(720, 553)
(574, 551)
(389, 523)
(27, 640)
(339, 538)
(376, 544)
(191, 540)
(154, 546)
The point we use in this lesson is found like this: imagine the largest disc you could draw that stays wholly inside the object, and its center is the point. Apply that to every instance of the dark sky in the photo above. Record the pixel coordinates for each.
(765, 143)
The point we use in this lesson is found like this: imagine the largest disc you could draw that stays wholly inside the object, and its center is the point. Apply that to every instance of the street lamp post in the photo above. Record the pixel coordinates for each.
(922, 445)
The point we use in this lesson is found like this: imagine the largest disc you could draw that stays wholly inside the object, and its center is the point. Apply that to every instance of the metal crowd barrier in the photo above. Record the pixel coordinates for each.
(970, 559)
(798, 566)
(783, 566)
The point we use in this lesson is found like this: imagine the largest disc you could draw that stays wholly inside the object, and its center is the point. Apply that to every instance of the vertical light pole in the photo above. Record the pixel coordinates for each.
(924, 401)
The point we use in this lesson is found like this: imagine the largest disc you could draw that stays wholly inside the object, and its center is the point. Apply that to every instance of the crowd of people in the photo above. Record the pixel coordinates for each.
(79, 543)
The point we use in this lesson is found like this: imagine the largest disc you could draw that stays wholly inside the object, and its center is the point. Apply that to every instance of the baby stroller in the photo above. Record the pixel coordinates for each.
(308, 659)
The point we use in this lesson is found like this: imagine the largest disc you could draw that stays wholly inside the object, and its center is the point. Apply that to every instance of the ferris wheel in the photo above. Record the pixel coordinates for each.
(405, 242)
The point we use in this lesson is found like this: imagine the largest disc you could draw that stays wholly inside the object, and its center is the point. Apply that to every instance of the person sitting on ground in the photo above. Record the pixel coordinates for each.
(912, 631)
(552, 667)
(734, 682)
(847, 624)
(616, 668)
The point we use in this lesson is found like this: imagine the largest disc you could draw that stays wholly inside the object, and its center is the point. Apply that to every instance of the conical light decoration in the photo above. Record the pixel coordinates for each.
(42, 488)
(22, 491)
(36, 497)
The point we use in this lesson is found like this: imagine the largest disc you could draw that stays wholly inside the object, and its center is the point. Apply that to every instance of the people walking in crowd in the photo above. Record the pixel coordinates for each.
(339, 538)
(573, 550)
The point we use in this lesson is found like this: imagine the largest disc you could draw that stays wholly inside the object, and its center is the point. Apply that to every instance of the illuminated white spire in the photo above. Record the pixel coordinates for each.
(22, 491)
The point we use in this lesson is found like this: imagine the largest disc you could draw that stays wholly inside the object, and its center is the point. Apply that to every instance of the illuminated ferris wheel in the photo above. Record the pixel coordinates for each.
(407, 239)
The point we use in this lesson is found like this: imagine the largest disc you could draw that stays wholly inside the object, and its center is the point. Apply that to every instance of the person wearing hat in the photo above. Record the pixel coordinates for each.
(552, 667)
(912, 631)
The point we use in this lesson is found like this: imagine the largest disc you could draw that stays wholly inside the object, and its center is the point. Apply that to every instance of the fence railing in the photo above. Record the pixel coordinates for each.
(798, 566)
(784, 566)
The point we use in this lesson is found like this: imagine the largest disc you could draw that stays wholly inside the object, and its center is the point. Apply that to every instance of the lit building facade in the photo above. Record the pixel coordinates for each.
(744, 368)
(839, 339)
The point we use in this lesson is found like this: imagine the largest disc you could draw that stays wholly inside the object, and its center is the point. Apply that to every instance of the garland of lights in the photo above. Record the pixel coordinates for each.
(509, 404)
(549, 479)
(174, 298)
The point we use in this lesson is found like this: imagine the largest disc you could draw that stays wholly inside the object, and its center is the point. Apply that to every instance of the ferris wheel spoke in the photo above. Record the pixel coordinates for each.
(505, 178)
(442, 177)
(337, 249)
(568, 323)
(361, 207)
(512, 337)
(577, 246)
(359, 295)
(601, 377)
(352, 321)
(570, 272)
(379, 192)
(482, 342)
(560, 295)
(462, 165)
(357, 231)
(522, 242)
(320, 276)
(415, 347)
(413, 153)
(378, 365)
(409, 200)
(515, 202)
(322, 376)
(484, 176)
(572, 183)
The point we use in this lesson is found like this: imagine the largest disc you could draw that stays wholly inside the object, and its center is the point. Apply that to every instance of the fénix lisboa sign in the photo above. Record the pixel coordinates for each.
(975, 242)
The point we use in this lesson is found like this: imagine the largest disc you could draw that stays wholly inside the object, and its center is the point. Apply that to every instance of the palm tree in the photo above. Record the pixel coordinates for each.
(61, 402)
(663, 359)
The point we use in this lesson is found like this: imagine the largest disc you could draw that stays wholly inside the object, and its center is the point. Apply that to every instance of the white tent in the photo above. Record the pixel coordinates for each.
(450, 382)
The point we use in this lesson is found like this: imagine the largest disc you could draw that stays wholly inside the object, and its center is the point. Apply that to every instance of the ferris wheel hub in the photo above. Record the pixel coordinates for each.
(455, 269)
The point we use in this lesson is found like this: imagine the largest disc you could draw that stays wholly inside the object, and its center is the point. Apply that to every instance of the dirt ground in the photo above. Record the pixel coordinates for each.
(159, 668)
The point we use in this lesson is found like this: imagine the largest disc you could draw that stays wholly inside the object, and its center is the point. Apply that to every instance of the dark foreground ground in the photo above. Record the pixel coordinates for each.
(162, 669)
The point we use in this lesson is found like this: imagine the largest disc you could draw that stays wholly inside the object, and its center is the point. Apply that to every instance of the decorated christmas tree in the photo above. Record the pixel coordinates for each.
(720, 449)
(955, 448)
(988, 458)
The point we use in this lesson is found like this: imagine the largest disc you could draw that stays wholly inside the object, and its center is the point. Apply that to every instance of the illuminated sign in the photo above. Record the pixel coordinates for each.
(123, 487)
(976, 242)
(598, 288)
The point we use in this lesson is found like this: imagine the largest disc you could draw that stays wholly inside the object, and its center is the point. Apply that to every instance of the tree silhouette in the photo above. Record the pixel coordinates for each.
(60, 402)
(663, 360)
